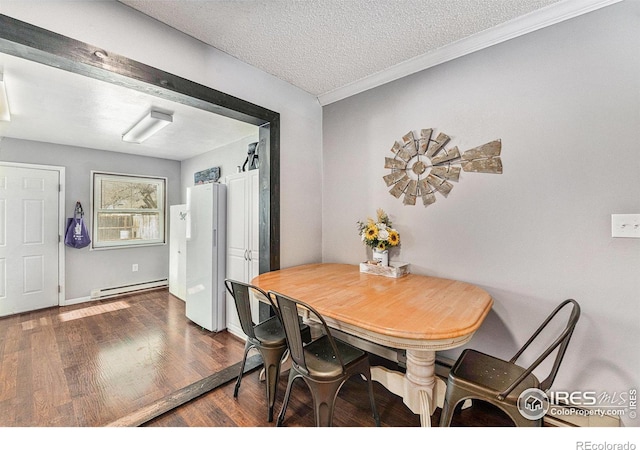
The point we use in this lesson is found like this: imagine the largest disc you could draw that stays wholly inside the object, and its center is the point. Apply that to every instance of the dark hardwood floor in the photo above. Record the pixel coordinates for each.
(93, 364)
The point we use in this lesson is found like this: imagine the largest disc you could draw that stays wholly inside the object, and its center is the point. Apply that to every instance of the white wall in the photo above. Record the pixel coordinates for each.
(565, 102)
(122, 30)
(87, 269)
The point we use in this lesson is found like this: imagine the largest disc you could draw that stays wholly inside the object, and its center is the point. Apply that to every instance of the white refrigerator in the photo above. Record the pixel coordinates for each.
(206, 255)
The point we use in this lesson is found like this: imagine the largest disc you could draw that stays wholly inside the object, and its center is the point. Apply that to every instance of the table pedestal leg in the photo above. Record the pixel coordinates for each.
(419, 388)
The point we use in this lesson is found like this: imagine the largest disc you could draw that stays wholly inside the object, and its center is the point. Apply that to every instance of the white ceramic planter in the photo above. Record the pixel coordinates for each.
(381, 256)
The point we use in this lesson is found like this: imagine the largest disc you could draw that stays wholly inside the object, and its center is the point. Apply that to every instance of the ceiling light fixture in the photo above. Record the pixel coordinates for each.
(5, 115)
(150, 124)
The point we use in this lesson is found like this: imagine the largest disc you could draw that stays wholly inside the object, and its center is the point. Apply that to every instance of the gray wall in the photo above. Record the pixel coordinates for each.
(565, 102)
(228, 158)
(92, 269)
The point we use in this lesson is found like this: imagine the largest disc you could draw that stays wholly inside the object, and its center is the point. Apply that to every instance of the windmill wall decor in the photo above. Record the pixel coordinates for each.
(423, 166)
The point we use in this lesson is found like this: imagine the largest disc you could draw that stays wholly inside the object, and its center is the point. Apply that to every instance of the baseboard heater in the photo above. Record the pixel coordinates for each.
(127, 289)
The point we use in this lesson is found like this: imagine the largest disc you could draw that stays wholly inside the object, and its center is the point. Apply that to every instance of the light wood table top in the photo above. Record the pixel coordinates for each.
(412, 307)
(417, 313)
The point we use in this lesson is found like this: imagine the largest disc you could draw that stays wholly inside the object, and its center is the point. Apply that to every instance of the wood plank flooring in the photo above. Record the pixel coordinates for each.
(114, 362)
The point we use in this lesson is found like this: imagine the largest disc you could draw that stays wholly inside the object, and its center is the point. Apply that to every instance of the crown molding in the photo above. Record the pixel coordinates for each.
(551, 15)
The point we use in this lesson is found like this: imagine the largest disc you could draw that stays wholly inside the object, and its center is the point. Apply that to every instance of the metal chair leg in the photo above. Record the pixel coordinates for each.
(272, 359)
(374, 410)
(446, 414)
(324, 398)
(453, 396)
(247, 347)
(292, 376)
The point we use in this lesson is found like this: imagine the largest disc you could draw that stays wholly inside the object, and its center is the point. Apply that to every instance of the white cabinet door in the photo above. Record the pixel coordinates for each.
(254, 229)
(242, 238)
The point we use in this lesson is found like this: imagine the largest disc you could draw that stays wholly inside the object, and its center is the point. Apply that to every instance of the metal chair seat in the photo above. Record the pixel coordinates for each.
(491, 375)
(270, 333)
(322, 363)
(476, 375)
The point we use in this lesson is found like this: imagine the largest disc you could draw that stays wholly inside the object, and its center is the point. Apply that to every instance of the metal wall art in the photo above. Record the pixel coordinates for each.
(423, 166)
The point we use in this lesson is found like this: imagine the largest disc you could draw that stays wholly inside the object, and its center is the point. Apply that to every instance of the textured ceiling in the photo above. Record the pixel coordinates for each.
(330, 48)
(52, 105)
(323, 45)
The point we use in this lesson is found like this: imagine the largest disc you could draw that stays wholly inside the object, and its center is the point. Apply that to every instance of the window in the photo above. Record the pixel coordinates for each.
(128, 210)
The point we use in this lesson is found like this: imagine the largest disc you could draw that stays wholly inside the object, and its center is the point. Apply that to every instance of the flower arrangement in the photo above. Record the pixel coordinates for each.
(379, 234)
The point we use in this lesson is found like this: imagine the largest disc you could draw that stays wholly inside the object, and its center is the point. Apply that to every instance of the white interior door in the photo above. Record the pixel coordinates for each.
(29, 230)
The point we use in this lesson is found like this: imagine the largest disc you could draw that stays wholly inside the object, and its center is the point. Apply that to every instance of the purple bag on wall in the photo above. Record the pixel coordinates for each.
(76, 234)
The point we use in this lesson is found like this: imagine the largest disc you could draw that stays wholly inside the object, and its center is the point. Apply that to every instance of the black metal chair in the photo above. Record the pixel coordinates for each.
(325, 363)
(267, 337)
(476, 375)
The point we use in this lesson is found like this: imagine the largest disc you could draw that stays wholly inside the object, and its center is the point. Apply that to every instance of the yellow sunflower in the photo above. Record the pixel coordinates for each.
(381, 246)
(371, 232)
(394, 238)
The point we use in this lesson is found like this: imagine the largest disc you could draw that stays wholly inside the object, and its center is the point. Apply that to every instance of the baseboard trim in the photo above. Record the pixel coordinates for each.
(75, 301)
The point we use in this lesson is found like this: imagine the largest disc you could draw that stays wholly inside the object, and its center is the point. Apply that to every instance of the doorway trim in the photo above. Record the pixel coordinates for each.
(61, 219)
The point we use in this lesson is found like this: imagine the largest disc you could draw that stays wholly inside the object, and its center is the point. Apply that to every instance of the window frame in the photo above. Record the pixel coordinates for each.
(97, 177)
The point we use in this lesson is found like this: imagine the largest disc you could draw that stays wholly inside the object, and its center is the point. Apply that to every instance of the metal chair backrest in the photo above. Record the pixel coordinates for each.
(560, 343)
(288, 309)
(241, 293)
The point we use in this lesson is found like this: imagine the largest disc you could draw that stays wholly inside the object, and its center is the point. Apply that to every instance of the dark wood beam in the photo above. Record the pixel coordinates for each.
(29, 42)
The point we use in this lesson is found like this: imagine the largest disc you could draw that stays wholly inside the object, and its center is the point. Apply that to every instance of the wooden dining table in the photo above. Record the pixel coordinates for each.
(416, 313)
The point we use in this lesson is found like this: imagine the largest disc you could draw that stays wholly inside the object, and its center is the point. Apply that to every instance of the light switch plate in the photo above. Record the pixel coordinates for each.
(625, 225)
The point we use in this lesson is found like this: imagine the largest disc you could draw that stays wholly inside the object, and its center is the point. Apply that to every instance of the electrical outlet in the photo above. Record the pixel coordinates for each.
(134, 268)
(625, 225)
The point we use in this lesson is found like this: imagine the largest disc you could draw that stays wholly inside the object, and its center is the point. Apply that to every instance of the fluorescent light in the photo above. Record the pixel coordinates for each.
(148, 126)
(5, 115)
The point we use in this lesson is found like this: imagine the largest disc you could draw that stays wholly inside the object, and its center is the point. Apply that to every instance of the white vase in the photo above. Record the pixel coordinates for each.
(381, 256)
